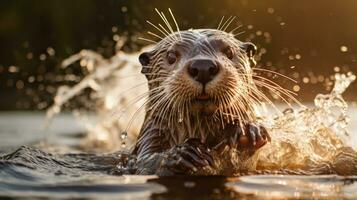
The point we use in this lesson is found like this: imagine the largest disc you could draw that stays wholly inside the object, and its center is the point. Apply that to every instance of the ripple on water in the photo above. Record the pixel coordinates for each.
(30, 172)
(305, 187)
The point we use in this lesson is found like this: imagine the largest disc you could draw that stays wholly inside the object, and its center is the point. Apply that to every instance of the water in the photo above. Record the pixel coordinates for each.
(30, 173)
(314, 141)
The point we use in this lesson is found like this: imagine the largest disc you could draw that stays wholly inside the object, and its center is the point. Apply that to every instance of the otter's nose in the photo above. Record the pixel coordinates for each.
(203, 71)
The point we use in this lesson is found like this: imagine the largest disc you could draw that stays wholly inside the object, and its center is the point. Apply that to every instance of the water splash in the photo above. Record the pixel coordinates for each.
(312, 139)
(115, 86)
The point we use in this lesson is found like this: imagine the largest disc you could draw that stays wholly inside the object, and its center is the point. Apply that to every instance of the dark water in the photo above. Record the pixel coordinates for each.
(30, 173)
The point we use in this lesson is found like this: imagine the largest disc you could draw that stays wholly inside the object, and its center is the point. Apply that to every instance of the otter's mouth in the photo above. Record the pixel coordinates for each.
(203, 97)
(204, 104)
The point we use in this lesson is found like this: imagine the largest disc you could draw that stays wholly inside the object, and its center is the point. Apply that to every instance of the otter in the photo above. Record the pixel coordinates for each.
(199, 116)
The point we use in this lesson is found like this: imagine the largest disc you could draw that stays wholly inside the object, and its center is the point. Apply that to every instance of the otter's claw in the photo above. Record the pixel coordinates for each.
(188, 157)
(258, 136)
(253, 136)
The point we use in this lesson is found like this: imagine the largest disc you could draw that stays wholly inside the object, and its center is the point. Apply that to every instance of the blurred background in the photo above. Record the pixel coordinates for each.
(309, 43)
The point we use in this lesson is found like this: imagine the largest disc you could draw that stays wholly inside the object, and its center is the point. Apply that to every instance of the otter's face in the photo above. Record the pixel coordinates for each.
(199, 72)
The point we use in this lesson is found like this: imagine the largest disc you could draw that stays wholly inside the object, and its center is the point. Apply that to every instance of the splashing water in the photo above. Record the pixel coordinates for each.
(313, 140)
(115, 85)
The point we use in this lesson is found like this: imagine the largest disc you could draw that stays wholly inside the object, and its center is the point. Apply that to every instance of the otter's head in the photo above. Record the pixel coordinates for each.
(203, 72)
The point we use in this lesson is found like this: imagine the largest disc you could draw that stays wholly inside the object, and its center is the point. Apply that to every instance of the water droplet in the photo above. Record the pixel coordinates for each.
(83, 63)
(124, 135)
(288, 111)
(43, 57)
(296, 88)
(19, 84)
(114, 29)
(13, 69)
(51, 51)
(336, 69)
(270, 10)
(305, 80)
(116, 37)
(344, 49)
(180, 118)
(120, 166)
(124, 9)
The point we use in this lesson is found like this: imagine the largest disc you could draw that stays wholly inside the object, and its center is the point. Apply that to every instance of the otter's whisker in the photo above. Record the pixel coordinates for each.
(232, 31)
(274, 84)
(147, 40)
(130, 76)
(134, 117)
(165, 110)
(164, 32)
(168, 25)
(224, 24)
(240, 33)
(227, 108)
(177, 26)
(280, 90)
(135, 114)
(220, 23)
(277, 92)
(162, 112)
(155, 103)
(276, 73)
(277, 87)
(237, 106)
(133, 101)
(159, 29)
(168, 33)
(138, 85)
(262, 95)
(155, 35)
(229, 23)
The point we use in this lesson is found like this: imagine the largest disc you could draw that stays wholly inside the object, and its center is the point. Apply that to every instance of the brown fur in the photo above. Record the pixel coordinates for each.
(175, 116)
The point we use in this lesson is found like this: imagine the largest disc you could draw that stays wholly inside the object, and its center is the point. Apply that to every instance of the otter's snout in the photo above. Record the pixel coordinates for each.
(203, 70)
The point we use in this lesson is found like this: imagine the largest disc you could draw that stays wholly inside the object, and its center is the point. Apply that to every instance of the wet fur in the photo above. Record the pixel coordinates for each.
(182, 136)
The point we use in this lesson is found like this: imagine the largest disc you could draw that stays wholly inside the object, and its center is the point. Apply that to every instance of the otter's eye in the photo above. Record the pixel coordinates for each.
(171, 57)
(229, 53)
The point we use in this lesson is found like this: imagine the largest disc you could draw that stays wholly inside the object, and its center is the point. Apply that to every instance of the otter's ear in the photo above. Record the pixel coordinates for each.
(251, 50)
(144, 60)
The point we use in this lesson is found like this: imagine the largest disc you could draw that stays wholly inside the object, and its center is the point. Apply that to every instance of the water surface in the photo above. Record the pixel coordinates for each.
(31, 173)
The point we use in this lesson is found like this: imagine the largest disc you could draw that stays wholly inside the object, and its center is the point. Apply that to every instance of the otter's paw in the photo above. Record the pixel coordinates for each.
(186, 158)
(253, 137)
(256, 136)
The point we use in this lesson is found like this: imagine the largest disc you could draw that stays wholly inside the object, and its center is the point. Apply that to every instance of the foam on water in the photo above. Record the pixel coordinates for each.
(312, 140)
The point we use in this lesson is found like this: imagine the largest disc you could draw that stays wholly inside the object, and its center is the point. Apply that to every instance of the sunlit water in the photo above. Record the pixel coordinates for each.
(314, 140)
